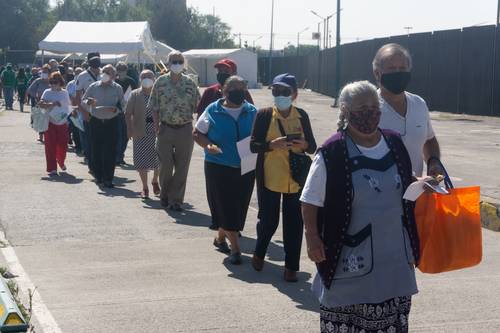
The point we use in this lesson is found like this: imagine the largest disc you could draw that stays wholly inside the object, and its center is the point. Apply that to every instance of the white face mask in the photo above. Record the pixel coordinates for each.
(147, 83)
(105, 78)
(176, 69)
(44, 76)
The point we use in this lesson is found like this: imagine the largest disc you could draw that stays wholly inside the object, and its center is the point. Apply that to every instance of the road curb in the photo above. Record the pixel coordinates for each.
(490, 215)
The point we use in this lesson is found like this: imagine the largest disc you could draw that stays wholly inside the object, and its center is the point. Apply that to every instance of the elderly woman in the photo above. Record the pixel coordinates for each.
(219, 128)
(56, 100)
(359, 231)
(279, 132)
(140, 127)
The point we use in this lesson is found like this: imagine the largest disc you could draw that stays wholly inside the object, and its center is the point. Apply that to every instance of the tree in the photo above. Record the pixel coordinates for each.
(208, 31)
(304, 49)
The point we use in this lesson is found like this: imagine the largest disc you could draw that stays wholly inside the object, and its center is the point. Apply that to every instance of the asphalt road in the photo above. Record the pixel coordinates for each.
(105, 261)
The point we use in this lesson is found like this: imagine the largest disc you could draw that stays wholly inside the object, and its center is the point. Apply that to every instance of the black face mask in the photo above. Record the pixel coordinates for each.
(95, 63)
(236, 97)
(395, 82)
(222, 77)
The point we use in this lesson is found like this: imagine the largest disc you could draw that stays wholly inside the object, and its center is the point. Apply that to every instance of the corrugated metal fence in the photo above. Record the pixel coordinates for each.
(454, 70)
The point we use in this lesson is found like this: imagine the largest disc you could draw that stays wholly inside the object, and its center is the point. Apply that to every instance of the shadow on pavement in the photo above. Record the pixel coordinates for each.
(118, 192)
(120, 181)
(190, 217)
(299, 292)
(63, 178)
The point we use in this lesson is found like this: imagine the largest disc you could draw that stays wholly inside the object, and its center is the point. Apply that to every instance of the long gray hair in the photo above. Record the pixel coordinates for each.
(347, 96)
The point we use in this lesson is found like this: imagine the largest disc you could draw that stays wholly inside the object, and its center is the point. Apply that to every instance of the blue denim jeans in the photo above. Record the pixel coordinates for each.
(8, 93)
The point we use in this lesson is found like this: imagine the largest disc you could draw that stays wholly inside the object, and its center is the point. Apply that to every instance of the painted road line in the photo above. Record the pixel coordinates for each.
(45, 321)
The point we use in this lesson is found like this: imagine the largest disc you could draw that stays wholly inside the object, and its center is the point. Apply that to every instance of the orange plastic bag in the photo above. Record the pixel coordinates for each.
(449, 228)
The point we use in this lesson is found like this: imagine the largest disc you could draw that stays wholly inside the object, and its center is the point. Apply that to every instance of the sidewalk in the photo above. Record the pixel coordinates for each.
(104, 261)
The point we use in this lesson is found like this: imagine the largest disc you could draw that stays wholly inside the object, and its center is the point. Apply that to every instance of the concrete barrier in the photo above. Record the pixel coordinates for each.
(490, 215)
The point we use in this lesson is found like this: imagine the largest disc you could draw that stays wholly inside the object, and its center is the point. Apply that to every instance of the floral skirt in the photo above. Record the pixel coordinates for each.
(390, 316)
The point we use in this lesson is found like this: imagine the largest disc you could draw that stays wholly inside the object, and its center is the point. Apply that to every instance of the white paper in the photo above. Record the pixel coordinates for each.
(248, 159)
(127, 94)
(415, 190)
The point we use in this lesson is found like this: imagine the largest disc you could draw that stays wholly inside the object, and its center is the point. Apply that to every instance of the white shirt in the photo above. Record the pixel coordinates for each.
(203, 123)
(71, 88)
(58, 114)
(415, 129)
(84, 80)
(315, 187)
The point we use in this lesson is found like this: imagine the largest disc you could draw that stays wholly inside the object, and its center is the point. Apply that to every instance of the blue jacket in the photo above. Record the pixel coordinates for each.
(225, 132)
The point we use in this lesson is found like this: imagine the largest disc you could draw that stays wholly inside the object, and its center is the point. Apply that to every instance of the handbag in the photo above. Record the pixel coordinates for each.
(40, 119)
(449, 229)
(299, 163)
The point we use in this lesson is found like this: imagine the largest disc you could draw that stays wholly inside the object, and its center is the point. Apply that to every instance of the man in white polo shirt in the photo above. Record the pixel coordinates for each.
(404, 112)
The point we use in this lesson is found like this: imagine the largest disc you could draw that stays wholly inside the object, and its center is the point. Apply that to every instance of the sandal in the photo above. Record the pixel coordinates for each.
(156, 188)
(145, 194)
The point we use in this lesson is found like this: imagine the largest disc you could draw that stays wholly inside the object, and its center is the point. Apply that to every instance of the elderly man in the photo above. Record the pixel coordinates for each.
(127, 84)
(105, 99)
(173, 102)
(225, 69)
(405, 112)
(83, 81)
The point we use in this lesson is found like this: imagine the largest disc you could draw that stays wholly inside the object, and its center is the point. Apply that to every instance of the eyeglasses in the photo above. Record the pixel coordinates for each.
(281, 92)
(178, 62)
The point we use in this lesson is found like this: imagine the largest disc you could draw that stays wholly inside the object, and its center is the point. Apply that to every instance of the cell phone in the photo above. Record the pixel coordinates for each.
(291, 137)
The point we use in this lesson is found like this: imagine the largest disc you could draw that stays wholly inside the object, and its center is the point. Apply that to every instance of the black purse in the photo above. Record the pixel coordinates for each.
(299, 163)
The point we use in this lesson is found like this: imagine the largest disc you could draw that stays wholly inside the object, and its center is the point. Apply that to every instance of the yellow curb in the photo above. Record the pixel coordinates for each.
(490, 216)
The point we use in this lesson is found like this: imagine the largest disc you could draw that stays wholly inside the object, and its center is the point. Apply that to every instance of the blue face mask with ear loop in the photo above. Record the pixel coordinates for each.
(283, 102)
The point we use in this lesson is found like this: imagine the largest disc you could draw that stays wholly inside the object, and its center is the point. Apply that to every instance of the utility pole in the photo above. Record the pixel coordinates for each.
(337, 56)
(271, 44)
(298, 39)
(239, 36)
(408, 29)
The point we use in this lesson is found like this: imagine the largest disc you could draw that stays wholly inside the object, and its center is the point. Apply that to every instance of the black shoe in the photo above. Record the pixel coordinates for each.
(222, 246)
(164, 202)
(108, 184)
(213, 226)
(176, 207)
(235, 258)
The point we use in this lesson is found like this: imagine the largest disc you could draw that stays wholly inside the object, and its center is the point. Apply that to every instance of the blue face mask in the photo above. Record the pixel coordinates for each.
(283, 102)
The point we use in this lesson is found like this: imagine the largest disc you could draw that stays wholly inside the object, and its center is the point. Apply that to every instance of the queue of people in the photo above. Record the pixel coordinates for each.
(359, 231)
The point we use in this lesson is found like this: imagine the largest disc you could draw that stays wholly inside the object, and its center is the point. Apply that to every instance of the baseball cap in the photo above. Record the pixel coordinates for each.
(285, 80)
(228, 63)
(92, 55)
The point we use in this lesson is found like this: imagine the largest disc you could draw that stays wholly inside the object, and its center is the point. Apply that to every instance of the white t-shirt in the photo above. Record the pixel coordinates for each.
(84, 80)
(71, 88)
(315, 187)
(58, 114)
(203, 123)
(415, 129)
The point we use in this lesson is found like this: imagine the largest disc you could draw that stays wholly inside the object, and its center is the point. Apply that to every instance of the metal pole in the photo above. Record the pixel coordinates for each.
(298, 42)
(337, 57)
(271, 44)
(498, 13)
(319, 37)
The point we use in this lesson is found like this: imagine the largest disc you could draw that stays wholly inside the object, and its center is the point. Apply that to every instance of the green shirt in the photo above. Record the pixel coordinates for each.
(174, 102)
(9, 78)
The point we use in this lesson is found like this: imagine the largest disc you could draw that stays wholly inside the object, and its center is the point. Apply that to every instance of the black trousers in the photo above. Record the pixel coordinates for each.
(293, 226)
(103, 148)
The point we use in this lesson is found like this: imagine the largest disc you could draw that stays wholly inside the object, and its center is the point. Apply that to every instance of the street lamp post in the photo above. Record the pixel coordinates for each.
(271, 44)
(408, 29)
(337, 58)
(324, 28)
(256, 39)
(298, 39)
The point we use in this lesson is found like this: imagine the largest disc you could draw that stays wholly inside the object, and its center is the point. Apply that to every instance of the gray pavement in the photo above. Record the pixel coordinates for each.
(104, 261)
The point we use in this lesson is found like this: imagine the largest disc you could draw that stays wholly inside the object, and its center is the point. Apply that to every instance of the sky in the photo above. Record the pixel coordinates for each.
(360, 19)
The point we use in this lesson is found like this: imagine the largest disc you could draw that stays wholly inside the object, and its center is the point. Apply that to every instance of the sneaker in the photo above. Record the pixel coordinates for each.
(222, 246)
(235, 258)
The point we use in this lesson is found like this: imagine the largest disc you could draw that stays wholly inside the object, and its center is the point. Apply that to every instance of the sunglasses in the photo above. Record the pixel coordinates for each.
(281, 92)
(178, 62)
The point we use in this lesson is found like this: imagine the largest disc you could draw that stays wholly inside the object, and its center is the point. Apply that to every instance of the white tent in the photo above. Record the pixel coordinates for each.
(202, 63)
(104, 37)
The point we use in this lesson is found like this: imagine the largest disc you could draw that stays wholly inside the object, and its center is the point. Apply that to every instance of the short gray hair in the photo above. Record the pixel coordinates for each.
(146, 72)
(110, 67)
(389, 50)
(347, 96)
(174, 54)
(232, 80)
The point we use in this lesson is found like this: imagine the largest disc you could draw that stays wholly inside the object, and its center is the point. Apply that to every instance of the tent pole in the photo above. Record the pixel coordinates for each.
(43, 57)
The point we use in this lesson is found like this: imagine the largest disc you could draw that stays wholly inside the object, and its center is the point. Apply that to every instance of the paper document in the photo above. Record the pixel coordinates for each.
(415, 190)
(78, 122)
(248, 159)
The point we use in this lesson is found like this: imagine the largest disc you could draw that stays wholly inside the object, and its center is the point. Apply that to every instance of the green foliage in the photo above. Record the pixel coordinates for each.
(25, 22)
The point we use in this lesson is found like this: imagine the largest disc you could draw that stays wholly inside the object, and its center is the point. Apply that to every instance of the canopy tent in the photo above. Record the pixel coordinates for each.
(202, 63)
(104, 37)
